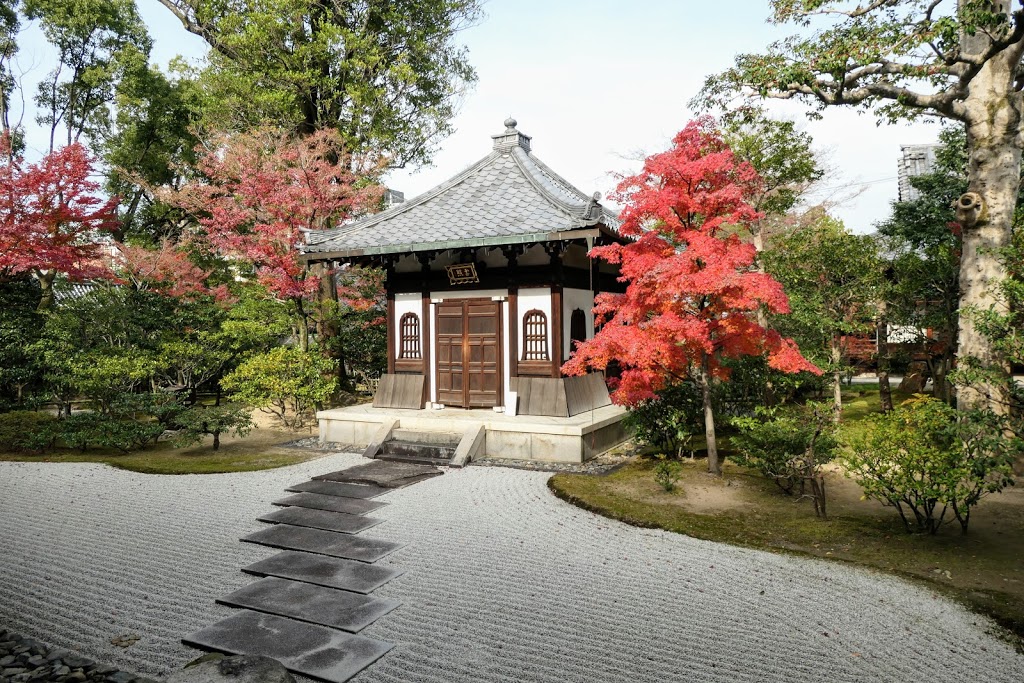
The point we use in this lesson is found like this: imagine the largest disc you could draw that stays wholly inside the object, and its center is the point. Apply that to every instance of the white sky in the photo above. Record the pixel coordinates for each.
(597, 81)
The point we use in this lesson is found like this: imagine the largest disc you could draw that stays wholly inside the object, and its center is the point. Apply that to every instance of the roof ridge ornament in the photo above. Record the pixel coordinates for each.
(511, 138)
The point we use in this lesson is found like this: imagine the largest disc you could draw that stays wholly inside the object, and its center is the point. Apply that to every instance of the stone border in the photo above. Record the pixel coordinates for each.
(26, 659)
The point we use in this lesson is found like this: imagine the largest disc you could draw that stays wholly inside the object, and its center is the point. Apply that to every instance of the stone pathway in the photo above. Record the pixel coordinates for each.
(298, 611)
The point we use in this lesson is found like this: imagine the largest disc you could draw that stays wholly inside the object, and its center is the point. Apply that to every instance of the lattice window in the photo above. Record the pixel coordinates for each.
(535, 335)
(409, 327)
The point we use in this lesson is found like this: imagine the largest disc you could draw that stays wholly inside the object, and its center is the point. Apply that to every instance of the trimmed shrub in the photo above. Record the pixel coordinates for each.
(667, 473)
(26, 430)
(789, 447)
(285, 382)
(669, 421)
(95, 430)
(927, 459)
(196, 422)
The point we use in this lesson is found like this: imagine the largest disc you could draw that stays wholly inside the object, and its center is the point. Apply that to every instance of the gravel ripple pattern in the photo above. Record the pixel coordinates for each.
(503, 582)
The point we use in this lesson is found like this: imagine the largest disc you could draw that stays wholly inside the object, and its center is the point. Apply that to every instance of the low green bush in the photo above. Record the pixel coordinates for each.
(927, 459)
(669, 421)
(26, 430)
(196, 422)
(95, 430)
(667, 473)
(789, 446)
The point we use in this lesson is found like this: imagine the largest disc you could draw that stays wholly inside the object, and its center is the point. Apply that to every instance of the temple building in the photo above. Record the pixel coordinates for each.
(489, 286)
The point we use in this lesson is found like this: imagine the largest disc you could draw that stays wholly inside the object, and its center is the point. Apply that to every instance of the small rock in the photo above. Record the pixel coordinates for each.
(78, 675)
(12, 671)
(57, 653)
(120, 677)
(244, 669)
(77, 662)
(36, 660)
(62, 671)
(103, 669)
(7, 660)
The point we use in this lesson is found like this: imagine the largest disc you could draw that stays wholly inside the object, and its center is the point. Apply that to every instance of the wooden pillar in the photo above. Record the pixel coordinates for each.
(555, 251)
(512, 254)
(556, 331)
(425, 325)
(389, 271)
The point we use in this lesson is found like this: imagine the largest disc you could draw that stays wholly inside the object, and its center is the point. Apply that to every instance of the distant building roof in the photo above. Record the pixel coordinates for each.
(915, 160)
(507, 197)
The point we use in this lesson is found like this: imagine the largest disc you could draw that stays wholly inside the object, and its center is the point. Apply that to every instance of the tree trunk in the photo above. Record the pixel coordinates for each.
(992, 110)
(704, 377)
(836, 353)
(45, 280)
(884, 390)
(216, 439)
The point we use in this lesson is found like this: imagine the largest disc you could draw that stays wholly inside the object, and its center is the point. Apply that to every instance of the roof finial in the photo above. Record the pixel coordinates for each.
(510, 124)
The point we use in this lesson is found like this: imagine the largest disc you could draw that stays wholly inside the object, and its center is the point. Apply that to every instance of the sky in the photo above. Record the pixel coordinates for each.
(600, 83)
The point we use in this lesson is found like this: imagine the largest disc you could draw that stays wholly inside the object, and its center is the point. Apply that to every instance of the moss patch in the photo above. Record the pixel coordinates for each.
(981, 569)
(260, 450)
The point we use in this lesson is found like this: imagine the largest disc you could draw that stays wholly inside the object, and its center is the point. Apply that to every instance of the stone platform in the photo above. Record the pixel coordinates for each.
(518, 437)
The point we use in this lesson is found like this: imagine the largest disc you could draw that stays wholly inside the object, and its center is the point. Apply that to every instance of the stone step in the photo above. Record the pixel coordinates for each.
(350, 612)
(350, 547)
(338, 488)
(307, 649)
(321, 519)
(318, 501)
(450, 439)
(390, 475)
(417, 450)
(323, 570)
(415, 460)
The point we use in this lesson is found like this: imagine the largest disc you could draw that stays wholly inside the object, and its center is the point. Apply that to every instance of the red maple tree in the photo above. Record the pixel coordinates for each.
(51, 218)
(262, 191)
(692, 292)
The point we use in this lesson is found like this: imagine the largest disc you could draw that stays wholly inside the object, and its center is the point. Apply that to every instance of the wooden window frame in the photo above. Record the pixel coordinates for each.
(410, 345)
(535, 336)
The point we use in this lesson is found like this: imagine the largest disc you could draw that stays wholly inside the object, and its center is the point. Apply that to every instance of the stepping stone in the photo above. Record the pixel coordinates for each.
(338, 488)
(306, 649)
(383, 473)
(321, 519)
(330, 543)
(322, 570)
(317, 501)
(350, 612)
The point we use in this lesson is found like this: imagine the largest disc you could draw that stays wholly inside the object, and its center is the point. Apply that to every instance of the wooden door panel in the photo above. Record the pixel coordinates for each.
(468, 361)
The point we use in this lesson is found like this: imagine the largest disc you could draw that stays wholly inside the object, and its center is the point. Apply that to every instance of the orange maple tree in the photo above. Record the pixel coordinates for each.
(692, 290)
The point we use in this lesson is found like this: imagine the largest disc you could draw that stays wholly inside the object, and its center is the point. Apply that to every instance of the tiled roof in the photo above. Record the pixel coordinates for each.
(503, 198)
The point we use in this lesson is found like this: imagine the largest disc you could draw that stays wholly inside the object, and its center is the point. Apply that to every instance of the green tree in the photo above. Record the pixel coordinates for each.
(387, 74)
(957, 60)
(286, 382)
(833, 280)
(9, 26)
(98, 42)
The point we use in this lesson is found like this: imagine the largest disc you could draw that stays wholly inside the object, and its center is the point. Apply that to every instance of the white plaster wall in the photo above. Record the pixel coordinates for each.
(471, 294)
(529, 299)
(571, 300)
(407, 303)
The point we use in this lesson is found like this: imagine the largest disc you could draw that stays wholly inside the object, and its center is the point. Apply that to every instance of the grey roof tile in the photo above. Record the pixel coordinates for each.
(507, 193)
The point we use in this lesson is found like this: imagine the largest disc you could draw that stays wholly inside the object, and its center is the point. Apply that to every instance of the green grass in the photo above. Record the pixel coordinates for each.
(258, 451)
(981, 569)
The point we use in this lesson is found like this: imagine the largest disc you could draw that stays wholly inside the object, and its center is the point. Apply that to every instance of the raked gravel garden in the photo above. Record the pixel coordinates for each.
(502, 582)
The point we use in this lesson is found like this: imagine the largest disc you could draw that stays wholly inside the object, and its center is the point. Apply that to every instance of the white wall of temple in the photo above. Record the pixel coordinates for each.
(471, 294)
(407, 303)
(529, 299)
(571, 300)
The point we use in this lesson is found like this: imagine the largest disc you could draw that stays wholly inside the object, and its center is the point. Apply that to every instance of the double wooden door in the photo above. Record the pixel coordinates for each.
(468, 361)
